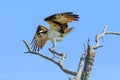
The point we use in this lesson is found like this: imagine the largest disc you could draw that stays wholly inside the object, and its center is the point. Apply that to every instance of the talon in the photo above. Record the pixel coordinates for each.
(53, 49)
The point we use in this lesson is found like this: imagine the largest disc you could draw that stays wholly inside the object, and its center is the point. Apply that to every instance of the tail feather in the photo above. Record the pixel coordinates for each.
(67, 31)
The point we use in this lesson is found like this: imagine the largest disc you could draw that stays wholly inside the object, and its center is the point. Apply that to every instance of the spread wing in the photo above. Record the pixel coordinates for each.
(60, 21)
(40, 38)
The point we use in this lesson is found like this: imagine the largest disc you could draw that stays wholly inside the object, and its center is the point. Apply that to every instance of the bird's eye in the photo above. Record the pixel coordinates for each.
(38, 33)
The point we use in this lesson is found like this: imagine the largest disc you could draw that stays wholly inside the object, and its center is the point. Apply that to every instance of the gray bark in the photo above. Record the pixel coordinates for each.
(83, 71)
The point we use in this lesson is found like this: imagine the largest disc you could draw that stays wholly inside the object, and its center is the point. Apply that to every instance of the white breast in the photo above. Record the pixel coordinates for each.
(53, 34)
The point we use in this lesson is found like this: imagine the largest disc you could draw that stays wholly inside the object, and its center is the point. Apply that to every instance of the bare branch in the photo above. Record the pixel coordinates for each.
(79, 71)
(26, 43)
(86, 61)
(59, 63)
(115, 33)
(99, 36)
(89, 55)
(66, 71)
(57, 53)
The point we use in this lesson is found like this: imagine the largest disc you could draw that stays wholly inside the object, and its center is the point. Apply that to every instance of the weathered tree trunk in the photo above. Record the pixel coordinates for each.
(87, 58)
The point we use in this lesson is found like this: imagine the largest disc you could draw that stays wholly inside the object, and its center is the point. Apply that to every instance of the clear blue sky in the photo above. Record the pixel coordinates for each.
(19, 20)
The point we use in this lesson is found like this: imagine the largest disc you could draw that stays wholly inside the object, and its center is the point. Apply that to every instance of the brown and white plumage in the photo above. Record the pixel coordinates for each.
(58, 29)
(40, 38)
(60, 21)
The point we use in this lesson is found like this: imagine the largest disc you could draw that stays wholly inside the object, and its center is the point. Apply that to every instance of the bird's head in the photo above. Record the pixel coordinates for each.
(41, 30)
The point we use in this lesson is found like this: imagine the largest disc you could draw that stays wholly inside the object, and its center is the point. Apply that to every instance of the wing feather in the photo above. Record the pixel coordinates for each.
(60, 21)
(39, 39)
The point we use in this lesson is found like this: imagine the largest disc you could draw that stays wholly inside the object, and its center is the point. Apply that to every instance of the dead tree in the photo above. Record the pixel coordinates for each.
(86, 61)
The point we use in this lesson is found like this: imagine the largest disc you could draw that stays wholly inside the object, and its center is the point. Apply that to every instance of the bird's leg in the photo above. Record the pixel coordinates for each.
(53, 48)
(53, 52)
(54, 44)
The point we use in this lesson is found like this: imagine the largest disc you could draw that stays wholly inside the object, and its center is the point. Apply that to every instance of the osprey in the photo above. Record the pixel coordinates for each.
(58, 30)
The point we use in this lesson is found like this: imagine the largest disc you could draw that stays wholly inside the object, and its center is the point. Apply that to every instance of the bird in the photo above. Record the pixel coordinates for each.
(58, 30)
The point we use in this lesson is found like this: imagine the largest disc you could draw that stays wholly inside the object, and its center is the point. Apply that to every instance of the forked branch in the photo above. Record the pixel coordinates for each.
(99, 36)
(59, 63)
(89, 55)
(86, 61)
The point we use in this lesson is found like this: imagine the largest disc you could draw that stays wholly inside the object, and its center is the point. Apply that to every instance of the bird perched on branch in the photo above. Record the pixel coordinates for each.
(58, 30)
